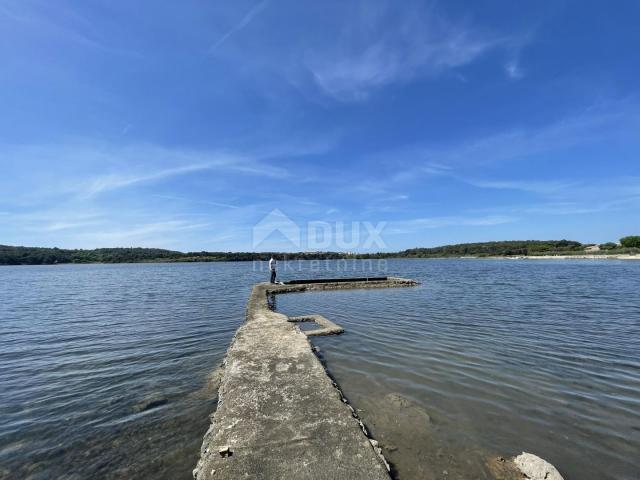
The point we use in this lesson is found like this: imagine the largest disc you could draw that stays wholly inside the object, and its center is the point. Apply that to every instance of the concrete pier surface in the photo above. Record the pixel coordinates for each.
(279, 415)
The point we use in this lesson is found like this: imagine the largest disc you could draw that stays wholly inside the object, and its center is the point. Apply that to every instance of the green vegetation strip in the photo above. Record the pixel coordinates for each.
(10, 255)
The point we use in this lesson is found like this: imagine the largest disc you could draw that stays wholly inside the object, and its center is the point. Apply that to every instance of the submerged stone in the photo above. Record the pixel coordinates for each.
(504, 469)
(407, 408)
(150, 403)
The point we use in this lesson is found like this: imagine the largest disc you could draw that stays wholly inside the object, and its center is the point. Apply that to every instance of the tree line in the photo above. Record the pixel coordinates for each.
(10, 255)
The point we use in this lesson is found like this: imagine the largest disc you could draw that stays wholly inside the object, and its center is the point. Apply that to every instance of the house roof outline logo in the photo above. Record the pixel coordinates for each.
(275, 221)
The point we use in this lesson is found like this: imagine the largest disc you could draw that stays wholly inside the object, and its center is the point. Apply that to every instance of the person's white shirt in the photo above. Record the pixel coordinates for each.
(272, 264)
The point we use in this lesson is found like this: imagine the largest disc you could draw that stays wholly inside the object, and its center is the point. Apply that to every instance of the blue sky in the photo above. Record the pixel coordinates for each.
(183, 124)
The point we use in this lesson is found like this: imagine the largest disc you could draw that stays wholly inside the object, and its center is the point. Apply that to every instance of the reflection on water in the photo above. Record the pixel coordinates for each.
(106, 370)
(493, 358)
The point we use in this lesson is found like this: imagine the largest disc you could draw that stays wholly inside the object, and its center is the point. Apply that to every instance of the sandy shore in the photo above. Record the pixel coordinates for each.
(572, 257)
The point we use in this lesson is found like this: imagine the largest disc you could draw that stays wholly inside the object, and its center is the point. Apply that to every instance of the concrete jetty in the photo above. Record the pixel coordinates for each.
(279, 414)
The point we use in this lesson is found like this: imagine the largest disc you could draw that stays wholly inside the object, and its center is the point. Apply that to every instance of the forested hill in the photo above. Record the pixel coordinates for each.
(46, 256)
(42, 256)
(513, 247)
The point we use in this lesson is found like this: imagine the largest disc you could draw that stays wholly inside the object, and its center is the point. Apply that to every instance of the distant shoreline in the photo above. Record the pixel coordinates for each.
(563, 257)
(451, 257)
(509, 249)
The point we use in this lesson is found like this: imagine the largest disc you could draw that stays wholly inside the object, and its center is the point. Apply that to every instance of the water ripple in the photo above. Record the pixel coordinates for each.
(512, 356)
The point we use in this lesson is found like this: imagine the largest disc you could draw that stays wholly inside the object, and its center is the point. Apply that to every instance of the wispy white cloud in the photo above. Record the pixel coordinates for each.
(428, 169)
(154, 233)
(533, 186)
(57, 226)
(246, 19)
(105, 183)
(89, 169)
(196, 201)
(397, 198)
(400, 43)
(55, 220)
(589, 126)
(579, 198)
(513, 70)
(417, 224)
(545, 186)
(565, 208)
(57, 22)
(155, 224)
(346, 51)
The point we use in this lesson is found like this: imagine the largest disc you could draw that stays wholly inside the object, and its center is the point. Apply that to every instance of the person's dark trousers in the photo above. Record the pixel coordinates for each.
(273, 276)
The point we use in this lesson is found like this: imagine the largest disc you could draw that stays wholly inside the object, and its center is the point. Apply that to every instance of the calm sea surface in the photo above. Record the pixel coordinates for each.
(104, 368)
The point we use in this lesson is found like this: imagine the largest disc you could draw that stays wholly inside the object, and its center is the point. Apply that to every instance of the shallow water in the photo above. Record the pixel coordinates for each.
(83, 347)
(504, 356)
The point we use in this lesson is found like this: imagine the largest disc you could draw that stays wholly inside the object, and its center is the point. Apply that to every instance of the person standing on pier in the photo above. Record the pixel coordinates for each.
(272, 267)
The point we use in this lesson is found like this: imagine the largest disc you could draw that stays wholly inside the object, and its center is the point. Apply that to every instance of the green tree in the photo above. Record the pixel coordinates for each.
(630, 241)
(608, 246)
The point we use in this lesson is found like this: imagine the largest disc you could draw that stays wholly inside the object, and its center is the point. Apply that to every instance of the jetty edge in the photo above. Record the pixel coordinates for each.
(279, 415)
